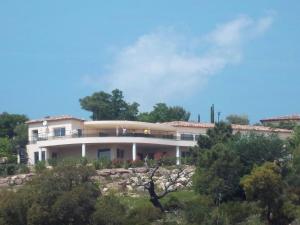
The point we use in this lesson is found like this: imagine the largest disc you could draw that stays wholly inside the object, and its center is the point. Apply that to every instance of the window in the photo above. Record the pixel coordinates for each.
(59, 132)
(36, 157)
(188, 137)
(104, 153)
(43, 155)
(79, 132)
(120, 154)
(185, 154)
(35, 134)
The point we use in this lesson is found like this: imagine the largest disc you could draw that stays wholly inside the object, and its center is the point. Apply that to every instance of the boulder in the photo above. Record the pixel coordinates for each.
(123, 171)
(129, 188)
(141, 170)
(18, 181)
(104, 173)
(3, 181)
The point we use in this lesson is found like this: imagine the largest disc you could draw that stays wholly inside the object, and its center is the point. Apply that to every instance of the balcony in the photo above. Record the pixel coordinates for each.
(105, 133)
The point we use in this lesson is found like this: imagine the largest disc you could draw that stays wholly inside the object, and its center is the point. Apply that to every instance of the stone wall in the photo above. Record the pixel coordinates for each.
(130, 180)
(121, 180)
(15, 180)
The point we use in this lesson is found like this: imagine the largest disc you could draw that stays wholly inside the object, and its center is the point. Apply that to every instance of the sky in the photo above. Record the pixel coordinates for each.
(241, 56)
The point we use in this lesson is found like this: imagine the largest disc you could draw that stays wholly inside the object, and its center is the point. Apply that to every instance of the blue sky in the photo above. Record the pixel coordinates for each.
(243, 56)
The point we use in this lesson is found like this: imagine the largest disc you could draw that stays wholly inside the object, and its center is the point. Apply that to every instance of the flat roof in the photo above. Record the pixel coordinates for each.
(234, 126)
(53, 118)
(282, 118)
(129, 125)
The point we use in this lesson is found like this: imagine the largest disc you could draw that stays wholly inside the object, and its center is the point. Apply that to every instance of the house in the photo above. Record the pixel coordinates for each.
(276, 121)
(66, 136)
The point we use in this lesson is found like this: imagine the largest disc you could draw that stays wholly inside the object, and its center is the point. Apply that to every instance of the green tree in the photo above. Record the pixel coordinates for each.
(8, 123)
(64, 195)
(163, 113)
(13, 130)
(265, 184)
(5, 147)
(256, 149)
(218, 173)
(109, 211)
(294, 141)
(238, 119)
(105, 106)
(221, 133)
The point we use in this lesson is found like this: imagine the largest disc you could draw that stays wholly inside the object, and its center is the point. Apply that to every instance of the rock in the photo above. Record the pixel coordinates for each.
(182, 180)
(125, 175)
(11, 181)
(4, 185)
(22, 176)
(123, 171)
(141, 170)
(129, 188)
(50, 167)
(104, 173)
(104, 190)
(140, 189)
(18, 181)
(3, 160)
(134, 180)
(178, 185)
(3, 180)
(28, 177)
(114, 176)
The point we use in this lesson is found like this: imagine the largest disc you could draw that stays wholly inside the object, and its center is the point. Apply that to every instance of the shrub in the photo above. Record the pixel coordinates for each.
(109, 211)
(23, 168)
(236, 212)
(102, 164)
(198, 210)
(144, 215)
(253, 220)
(173, 203)
(40, 166)
(168, 161)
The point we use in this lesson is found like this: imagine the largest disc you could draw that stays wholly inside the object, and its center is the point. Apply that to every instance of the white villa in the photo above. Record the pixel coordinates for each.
(66, 136)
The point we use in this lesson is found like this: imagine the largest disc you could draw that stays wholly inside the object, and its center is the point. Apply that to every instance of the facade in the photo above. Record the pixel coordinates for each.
(67, 136)
(276, 121)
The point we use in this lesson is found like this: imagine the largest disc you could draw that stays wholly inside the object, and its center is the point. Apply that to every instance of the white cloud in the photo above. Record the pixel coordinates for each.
(162, 66)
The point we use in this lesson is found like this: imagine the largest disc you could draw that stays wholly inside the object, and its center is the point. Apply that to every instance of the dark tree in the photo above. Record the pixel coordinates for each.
(238, 119)
(163, 113)
(221, 133)
(105, 106)
(9, 122)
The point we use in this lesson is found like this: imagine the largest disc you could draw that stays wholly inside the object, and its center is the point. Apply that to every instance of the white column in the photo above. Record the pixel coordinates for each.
(83, 152)
(40, 154)
(18, 157)
(177, 155)
(134, 151)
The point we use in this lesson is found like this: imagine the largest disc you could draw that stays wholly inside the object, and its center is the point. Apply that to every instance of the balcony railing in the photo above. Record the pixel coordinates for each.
(109, 133)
